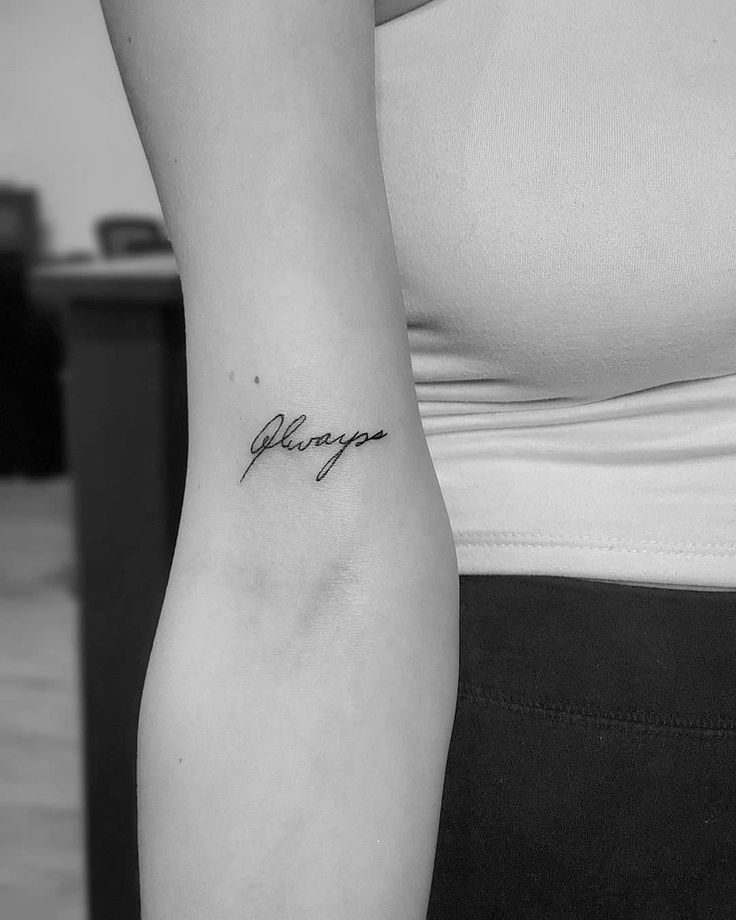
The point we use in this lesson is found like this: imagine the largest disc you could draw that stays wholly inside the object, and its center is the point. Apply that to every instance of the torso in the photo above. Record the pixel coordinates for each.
(564, 254)
(391, 9)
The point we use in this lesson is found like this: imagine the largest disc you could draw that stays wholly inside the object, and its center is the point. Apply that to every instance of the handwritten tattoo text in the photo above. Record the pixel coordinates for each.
(271, 435)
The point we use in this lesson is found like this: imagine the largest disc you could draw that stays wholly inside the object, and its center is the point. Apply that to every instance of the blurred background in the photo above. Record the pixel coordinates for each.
(67, 131)
(92, 447)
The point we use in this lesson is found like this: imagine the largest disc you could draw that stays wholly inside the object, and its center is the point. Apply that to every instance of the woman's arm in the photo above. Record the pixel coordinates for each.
(300, 695)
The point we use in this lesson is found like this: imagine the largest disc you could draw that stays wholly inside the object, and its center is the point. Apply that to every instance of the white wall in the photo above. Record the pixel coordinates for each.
(65, 125)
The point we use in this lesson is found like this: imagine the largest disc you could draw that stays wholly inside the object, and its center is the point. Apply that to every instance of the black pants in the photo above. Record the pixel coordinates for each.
(592, 767)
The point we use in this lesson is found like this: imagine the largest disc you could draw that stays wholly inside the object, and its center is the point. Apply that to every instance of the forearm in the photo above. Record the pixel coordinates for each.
(300, 696)
(293, 738)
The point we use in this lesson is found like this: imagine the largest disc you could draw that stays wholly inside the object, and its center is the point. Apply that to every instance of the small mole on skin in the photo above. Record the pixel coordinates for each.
(180, 760)
(257, 379)
(231, 376)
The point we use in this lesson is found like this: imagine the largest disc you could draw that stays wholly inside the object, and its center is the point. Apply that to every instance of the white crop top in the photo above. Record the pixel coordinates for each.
(561, 179)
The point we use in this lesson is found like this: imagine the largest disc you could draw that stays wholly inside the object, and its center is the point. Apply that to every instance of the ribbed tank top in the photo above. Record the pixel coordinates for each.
(561, 179)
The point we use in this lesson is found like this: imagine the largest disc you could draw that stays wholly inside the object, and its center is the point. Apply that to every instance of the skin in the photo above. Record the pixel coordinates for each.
(300, 696)
(273, 434)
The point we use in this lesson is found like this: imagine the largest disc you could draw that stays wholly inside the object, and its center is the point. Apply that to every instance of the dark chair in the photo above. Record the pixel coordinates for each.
(123, 236)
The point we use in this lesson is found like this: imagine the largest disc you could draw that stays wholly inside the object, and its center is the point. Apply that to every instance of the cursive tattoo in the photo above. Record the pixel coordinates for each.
(271, 435)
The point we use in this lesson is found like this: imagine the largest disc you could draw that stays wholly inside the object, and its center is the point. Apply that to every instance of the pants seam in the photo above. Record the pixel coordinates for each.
(644, 722)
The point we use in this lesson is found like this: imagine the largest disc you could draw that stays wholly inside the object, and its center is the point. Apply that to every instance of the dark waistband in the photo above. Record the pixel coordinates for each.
(621, 651)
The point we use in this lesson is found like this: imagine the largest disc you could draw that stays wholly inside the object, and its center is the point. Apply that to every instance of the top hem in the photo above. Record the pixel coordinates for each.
(686, 565)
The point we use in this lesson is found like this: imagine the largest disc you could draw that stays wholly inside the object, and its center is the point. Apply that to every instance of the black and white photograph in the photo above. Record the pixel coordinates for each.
(368, 460)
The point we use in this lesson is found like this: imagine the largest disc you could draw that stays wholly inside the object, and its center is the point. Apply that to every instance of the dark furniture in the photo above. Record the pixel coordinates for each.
(21, 229)
(125, 407)
(119, 235)
(31, 356)
(31, 348)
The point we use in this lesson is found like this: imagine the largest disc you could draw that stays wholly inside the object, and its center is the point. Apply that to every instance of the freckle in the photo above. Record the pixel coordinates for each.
(231, 376)
(257, 379)
(180, 759)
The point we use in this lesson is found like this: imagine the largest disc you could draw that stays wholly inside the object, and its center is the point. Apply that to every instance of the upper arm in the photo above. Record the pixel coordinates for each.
(258, 120)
